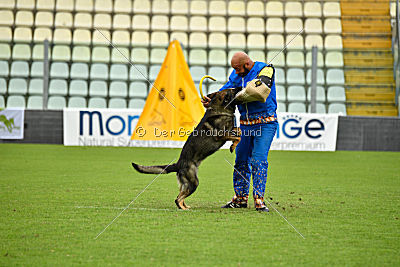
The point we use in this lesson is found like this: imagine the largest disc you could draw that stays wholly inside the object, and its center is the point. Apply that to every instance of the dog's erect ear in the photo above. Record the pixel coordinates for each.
(211, 96)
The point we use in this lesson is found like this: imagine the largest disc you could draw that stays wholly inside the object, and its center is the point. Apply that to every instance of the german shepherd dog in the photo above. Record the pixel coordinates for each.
(215, 128)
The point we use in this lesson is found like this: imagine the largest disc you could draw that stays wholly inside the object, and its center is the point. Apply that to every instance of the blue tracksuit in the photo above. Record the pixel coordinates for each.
(258, 123)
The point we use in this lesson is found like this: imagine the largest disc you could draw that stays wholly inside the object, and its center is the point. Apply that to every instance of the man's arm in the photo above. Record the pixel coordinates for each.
(267, 75)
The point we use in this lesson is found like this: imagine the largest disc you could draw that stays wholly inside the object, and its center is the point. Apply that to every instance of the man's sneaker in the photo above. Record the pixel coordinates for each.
(264, 209)
(233, 205)
(259, 204)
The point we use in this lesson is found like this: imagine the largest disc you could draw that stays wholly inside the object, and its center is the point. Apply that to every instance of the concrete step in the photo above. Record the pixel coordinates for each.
(376, 76)
(366, 8)
(363, 24)
(367, 41)
(370, 97)
(363, 109)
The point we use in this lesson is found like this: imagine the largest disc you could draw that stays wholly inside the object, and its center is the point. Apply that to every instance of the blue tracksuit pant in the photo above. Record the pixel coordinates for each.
(251, 159)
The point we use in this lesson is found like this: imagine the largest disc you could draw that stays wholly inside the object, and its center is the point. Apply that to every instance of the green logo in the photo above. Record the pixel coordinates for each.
(8, 123)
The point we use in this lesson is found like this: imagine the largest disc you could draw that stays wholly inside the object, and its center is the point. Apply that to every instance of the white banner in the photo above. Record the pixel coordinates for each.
(306, 132)
(114, 127)
(99, 127)
(12, 123)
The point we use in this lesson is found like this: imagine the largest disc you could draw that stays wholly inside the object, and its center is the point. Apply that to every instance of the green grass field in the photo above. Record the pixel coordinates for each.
(55, 200)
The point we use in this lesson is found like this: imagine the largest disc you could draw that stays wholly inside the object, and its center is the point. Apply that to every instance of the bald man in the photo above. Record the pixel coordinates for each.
(258, 123)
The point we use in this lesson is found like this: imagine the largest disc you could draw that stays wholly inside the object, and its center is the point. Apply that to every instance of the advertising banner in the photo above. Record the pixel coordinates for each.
(306, 132)
(114, 127)
(12, 123)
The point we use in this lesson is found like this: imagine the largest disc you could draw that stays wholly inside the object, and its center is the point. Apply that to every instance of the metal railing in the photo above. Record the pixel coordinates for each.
(396, 53)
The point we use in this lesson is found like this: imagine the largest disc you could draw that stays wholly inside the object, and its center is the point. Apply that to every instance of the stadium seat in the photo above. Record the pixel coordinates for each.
(35, 102)
(121, 38)
(78, 88)
(141, 7)
(97, 102)
(255, 25)
(138, 89)
(98, 71)
(140, 38)
(80, 54)
(37, 69)
(45, 5)
(3, 86)
(336, 94)
(179, 23)
(61, 53)
(255, 41)
(102, 21)
(24, 18)
(120, 55)
(117, 103)
(256, 55)
(198, 23)
(21, 51)
(44, 19)
(103, 6)
(140, 55)
(19, 69)
(295, 76)
(58, 87)
(119, 72)
(180, 36)
(101, 54)
(179, 7)
(5, 51)
(59, 70)
(77, 102)
(295, 59)
(118, 89)
(333, 42)
(198, 57)
(217, 8)
(136, 103)
(197, 72)
(42, 34)
(35, 87)
(280, 77)
(17, 86)
(320, 97)
(274, 9)
(297, 107)
(332, 9)
(15, 101)
(217, 24)
(62, 36)
(277, 58)
(24, 35)
(319, 108)
(296, 93)
(4, 70)
(122, 6)
(101, 37)
(82, 37)
(56, 102)
(63, 19)
(337, 108)
(275, 41)
(79, 71)
(274, 25)
(2, 102)
(281, 107)
(83, 20)
(198, 40)
(280, 93)
(198, 7)
(84, 5)
(236, 41)
(255, 9)
(332, 26)
(8, 4)
(314, 40)
(138, 72)
(320, 76)
(5, 34)
(294, 42)
(217, 57)
(312, 9)
(219, 73)
(157, 55)
(160, 7)
(38, 52)
(320, 59)
(159, 39)
(98, 88)
(293, 25)
(214, 87)
(159, 23)
(153, 72)
(65, 5)
(236, 8)
(217, 40)
(313, 25)
(236, 24)
(335, 76)
(334, 59)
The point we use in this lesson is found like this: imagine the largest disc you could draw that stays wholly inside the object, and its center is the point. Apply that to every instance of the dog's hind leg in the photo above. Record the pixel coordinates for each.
(188, 184)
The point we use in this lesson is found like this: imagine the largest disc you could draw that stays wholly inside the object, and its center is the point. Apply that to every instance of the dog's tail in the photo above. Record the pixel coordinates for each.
(158, 169)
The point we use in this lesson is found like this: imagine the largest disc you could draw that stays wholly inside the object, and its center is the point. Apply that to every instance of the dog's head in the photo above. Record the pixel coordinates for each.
(225, 98)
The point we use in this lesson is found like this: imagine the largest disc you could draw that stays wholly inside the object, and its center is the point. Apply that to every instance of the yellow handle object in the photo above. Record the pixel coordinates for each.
(201, 84)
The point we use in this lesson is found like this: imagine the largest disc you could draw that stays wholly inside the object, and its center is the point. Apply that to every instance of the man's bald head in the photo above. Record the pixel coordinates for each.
(242, 63)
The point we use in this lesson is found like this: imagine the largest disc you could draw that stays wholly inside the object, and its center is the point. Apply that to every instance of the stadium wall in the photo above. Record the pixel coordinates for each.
(354, 133)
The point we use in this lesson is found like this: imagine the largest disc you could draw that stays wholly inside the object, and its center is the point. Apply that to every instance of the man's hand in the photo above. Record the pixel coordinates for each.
(206, 101)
